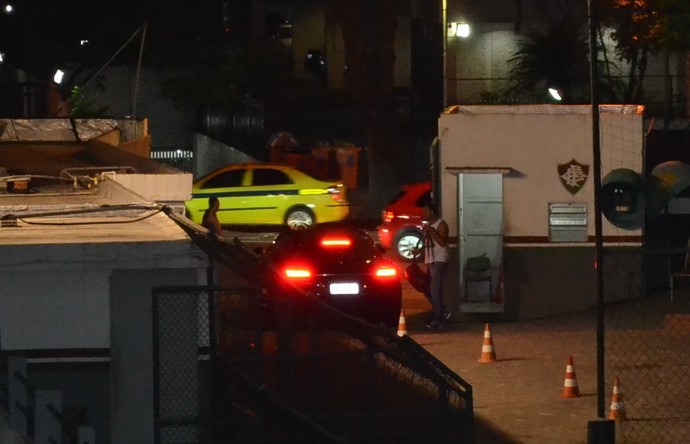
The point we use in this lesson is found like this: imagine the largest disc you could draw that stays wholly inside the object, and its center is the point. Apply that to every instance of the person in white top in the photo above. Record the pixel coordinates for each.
(436, 260)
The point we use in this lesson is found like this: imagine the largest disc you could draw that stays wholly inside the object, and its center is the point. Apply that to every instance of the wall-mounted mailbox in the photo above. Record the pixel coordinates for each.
(568, 222)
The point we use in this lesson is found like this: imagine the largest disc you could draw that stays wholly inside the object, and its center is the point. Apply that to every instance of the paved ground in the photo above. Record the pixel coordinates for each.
(517, 398)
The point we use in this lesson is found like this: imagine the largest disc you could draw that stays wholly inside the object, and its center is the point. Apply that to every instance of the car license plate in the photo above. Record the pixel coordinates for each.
(344, 288)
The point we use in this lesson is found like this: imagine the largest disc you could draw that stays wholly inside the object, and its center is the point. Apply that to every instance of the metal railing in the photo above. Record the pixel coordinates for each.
(37, 415)
(178, 158)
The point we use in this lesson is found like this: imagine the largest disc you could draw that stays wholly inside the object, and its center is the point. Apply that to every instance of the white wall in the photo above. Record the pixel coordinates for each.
(533, 141)
(57, 296)
(159, 187)
(49, 309)
(132, 351)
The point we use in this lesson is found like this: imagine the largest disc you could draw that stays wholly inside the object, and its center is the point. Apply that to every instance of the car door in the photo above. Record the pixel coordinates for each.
(227, 185)
(274, 192)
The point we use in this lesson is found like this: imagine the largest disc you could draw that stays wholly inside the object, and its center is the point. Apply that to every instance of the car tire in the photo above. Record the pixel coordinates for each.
(405, 243)
(299, 218)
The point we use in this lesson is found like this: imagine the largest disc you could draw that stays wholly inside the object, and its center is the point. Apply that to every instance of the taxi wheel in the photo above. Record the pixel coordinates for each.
(406, 243)
(299, 218)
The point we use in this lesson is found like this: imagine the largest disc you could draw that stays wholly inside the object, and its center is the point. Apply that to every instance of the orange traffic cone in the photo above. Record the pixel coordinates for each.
(570, 389)
(617, 410)
(402, 324)
(488, 352)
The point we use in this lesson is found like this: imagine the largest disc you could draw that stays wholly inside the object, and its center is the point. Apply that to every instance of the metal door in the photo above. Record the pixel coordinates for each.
(480, 229)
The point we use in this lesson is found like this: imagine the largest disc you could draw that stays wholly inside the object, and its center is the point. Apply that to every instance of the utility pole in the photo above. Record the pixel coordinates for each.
(602, 431)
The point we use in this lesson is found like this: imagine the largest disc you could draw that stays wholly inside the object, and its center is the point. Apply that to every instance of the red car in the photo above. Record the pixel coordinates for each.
(401, 229)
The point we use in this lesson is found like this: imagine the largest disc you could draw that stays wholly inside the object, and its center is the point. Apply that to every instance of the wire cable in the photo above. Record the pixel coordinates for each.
(105, 208)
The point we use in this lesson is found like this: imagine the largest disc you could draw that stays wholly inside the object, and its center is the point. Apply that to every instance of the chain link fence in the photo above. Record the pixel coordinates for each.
(182, 354)
(647, 341)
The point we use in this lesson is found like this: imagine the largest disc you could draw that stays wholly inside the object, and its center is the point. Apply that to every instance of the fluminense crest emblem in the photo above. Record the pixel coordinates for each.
(573, 175)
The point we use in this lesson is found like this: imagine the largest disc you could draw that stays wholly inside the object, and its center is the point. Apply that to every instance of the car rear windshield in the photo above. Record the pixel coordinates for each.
(353, 244)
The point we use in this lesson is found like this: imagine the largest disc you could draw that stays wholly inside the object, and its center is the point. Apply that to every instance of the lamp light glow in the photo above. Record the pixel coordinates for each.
(57, 77)
(463, 30)
(554, 93)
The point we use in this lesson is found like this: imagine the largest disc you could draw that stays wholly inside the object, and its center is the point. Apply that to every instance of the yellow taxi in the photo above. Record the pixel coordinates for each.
(268, 194)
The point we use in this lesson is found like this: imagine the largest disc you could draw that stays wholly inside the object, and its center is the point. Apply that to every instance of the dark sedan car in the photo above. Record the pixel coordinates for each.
(338, 265)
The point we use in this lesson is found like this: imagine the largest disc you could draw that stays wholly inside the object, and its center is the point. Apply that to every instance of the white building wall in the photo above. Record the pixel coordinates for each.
(58, 296)
(159, 187)
(131, 358)
(532, 141)
(48, 309)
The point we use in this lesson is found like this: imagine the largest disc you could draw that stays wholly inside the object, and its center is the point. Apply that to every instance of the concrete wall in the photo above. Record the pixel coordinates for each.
(545, 282)
(54, 309)
(174, 188)
(541, 282)
(212, 154)
(151, 180)
(532, 141)
(57, 297)
(131, 354)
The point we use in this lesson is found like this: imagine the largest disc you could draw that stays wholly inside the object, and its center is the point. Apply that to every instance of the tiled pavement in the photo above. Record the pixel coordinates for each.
(517, 398)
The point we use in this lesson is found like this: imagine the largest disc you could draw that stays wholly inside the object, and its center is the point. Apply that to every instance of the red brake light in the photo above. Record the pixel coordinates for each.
(386, 271)
(297, 272)
(336, 242)
(335, 193)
